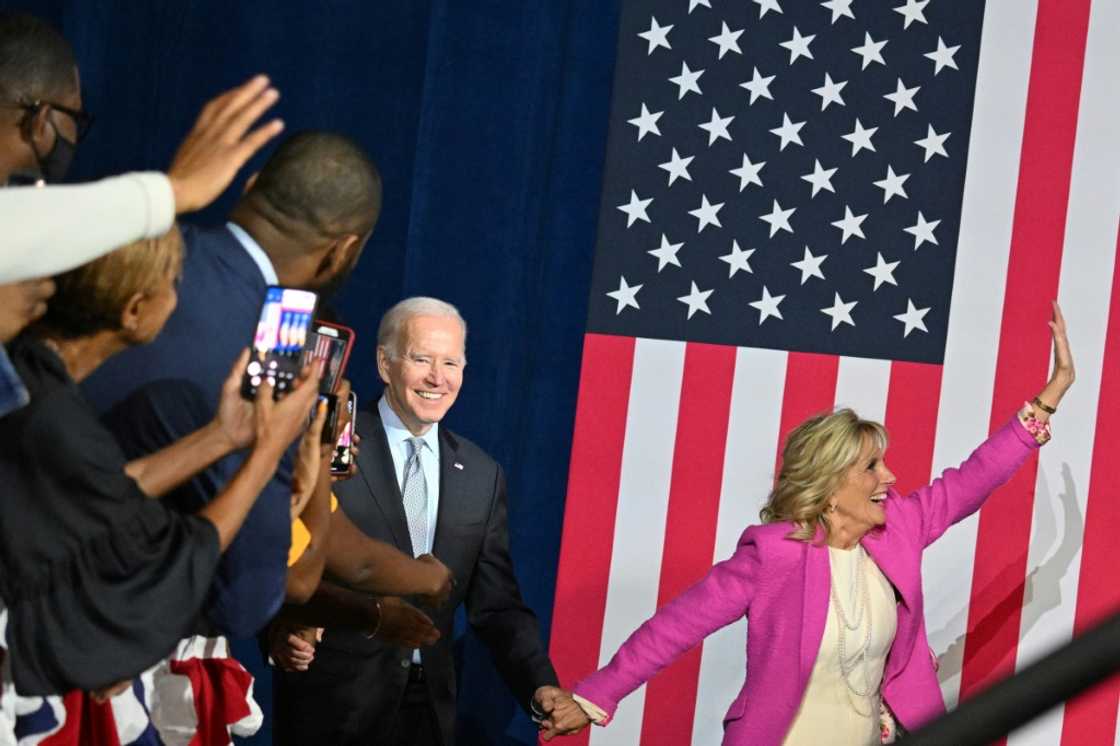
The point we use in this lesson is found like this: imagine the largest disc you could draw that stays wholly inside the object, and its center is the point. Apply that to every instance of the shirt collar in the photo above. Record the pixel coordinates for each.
(396, 431)
(256, 253)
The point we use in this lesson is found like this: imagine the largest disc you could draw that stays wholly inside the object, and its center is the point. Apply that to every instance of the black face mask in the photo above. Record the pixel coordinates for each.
(54, 164)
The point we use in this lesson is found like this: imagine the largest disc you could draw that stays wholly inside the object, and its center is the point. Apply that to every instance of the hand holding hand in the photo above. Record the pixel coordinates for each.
(292, 646)
(217, 147)
(404, 625)
(440, 582)
(564, 716)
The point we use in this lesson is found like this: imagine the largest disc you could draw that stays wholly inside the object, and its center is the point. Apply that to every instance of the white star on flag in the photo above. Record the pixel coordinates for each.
(850, 225)
(626, 295)
(883, 271)
(798, 46)
(646, 122)
(767, 305)
(677, 167)
(693, 4)
(696, 300)
(933, 143)
(810, 266)
(891, 184)
(943, 56)
(636, 208)
(870, 51)
(657, 36)
(903, 97)
(706, 213)
(738, 259)
(748, 172)
(821, 178)
(759, 85)
(830, 92)
(859, 137)
(666, 253)
(922, 231)
(778, 219)
(687, 81)
(912, 318)
(788, 132)
(717, 127)
(840, 312)
(727, 40)
(767, 5)
(912, 11)
(839, 8)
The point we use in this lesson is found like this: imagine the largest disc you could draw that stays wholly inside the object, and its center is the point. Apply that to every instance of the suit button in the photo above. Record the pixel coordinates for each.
(406, 663)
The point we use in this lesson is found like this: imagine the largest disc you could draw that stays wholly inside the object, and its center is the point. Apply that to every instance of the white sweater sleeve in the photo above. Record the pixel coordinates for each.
(47, 230)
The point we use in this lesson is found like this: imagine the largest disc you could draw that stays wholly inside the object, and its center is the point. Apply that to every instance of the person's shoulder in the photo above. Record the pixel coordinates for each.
(774, 541)
(466, 449)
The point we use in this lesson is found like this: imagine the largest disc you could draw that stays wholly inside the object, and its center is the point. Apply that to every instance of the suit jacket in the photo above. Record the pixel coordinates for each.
(354, 686)
(782, 586)
(154, 394)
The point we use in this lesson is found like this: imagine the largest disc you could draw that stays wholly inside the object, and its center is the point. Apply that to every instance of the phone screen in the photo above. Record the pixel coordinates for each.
(279, 341)
(330, 345)
(343, 453)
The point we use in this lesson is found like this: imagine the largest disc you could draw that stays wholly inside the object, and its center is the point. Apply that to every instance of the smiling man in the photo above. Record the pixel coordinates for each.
(424, 489)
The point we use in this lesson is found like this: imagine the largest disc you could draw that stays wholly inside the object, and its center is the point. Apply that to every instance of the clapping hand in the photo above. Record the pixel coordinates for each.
(563, 715)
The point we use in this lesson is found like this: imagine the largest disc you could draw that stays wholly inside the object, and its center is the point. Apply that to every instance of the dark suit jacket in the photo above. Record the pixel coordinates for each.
(157, 393)
(353, 689)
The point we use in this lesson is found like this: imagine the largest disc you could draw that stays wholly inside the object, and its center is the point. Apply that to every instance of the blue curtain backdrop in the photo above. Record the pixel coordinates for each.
(488, 120)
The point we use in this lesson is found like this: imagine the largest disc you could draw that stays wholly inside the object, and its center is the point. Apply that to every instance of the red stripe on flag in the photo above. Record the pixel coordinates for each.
(690, 526)
(810, 389)
(911, 420)
(1091, 718)
(1038, 230)
(590, 507)
(88, 723)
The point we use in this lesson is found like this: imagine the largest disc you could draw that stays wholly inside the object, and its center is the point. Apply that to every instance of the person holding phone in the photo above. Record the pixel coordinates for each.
(99, 581)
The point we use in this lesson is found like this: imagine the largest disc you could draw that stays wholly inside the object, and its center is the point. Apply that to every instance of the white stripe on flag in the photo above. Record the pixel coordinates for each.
(1062, 488)
(862, 384)
(748, 472)
(991, 177)
(643, 500)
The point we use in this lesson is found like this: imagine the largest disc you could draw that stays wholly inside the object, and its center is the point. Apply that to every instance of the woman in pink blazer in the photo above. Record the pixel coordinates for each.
(831, 584)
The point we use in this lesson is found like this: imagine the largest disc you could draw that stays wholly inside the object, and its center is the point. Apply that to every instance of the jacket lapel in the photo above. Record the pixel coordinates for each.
(375, 467)
(452, 473)
(818, 581)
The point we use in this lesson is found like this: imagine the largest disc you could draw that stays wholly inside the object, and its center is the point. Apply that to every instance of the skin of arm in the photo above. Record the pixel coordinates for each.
(305, 574)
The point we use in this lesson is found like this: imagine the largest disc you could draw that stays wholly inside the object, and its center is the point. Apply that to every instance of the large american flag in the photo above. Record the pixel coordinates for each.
(849, 203)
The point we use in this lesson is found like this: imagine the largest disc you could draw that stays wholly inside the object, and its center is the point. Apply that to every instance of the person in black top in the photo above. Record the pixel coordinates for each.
(99, 580)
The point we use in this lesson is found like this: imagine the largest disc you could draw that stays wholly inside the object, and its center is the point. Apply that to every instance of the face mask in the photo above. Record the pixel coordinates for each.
(56, 162)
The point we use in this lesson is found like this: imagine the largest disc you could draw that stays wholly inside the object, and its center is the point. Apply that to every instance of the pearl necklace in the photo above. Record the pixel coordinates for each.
(852, 622)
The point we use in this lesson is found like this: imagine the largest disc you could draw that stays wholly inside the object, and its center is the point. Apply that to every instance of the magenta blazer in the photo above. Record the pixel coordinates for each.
(782, 586)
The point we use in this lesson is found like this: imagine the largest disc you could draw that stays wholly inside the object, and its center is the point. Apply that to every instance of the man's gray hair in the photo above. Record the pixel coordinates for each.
(389, 330)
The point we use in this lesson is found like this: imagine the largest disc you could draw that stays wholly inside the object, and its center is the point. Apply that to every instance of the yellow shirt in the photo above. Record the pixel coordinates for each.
(301, 537)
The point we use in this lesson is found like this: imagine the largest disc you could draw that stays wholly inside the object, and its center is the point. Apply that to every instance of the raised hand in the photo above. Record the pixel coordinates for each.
(217, 147)
(277, 424)
(309, 461)
(235, 414)
(1063, 374)
(404, 625)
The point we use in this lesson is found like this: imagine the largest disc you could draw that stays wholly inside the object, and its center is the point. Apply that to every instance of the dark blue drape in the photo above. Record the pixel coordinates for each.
(488, 120)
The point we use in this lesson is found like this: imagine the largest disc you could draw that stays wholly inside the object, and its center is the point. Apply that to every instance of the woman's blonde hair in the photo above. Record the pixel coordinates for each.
(817, 455)
(92, 297)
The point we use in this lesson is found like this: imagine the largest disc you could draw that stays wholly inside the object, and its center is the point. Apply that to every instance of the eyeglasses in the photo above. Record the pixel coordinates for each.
(83, 120)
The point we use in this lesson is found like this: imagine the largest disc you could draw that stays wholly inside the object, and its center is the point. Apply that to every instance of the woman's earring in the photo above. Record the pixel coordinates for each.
(832, 508)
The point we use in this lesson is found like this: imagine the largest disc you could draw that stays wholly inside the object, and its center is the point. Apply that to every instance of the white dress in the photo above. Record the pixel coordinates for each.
(841, 706)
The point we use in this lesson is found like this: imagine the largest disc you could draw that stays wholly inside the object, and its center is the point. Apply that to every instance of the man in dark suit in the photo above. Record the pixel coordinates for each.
(302, 222)
(421, 488)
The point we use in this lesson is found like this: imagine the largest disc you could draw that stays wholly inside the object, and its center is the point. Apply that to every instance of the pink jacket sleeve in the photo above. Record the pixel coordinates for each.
(718, 599)
(959, 492)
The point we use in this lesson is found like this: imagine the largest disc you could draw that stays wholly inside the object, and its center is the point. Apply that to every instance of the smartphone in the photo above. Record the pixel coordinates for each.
(331, 424)
(343, 451)
(330, 344)
(278, 345)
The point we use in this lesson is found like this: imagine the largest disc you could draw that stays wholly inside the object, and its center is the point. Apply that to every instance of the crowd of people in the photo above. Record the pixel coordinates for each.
(149, 507)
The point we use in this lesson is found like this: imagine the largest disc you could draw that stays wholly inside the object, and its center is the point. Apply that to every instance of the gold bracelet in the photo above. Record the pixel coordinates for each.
(1044, 407)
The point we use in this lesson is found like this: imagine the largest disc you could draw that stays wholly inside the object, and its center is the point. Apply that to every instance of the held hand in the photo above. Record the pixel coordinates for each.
(217, 147)
(564, 716)
(308, 461)
(292, 646)
(235, 415)
(440, 583)
(404, 625)
(278, 423)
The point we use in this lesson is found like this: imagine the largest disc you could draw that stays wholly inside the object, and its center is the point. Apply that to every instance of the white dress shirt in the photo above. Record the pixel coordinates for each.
(256, 253)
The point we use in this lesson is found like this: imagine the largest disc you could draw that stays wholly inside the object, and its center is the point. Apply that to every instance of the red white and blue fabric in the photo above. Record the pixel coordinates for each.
(867, 204)
(198, 696)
